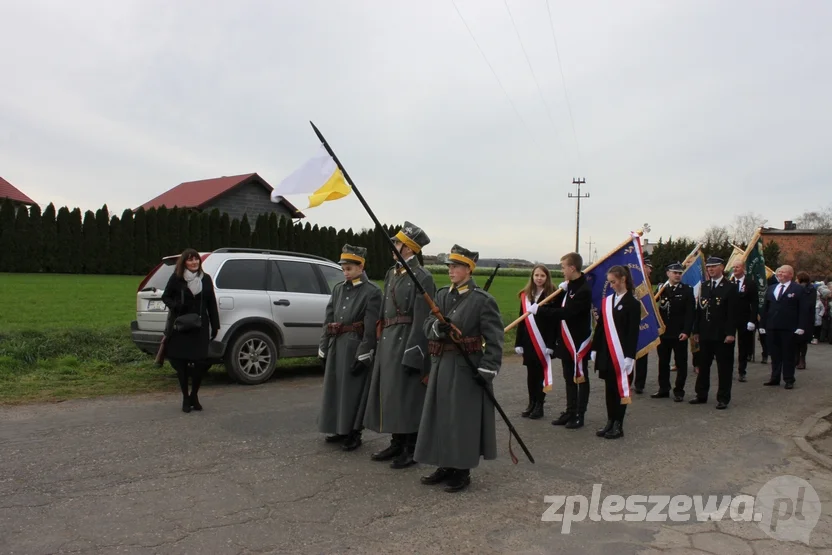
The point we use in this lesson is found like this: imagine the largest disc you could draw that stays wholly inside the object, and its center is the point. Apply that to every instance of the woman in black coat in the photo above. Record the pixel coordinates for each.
(614, 347)
(189, 296)
(539, 287)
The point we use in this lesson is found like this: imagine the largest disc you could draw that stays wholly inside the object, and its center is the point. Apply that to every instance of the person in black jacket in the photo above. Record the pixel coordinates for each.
(783, 320)
(530, 333)
(715, 328)
(678, 307)
(811, 293)
(747, 310)
(614, 347)
(190, 291)
(573, 312)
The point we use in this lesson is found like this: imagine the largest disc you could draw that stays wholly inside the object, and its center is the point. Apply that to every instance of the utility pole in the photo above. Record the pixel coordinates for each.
(578, 181)
(590, 249)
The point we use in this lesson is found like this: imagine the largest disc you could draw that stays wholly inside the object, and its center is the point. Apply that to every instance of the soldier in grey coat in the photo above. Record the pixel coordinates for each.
(458, 425)
(397, 389)
(346, 349)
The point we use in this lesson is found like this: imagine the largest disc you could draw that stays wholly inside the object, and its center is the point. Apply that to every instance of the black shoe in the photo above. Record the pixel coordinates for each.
(605, 429)
(561, 420)
(459, 481)
(529, 409)
(576, 422)
(404, 459)
(195, 402)
(616, 432)
(439, 475)
(698, 401)
(764, 360)
(186, 404)
(789, 386)
(678, 398)
(394, 450)
(335, 438)
(742, 378)
(771, 382)
(537, 411)
(639, 390)
(661, 395)
(721, 406)
(353, 442)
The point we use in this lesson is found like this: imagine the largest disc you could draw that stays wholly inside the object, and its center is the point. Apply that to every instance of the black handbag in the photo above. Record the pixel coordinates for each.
(189, 322)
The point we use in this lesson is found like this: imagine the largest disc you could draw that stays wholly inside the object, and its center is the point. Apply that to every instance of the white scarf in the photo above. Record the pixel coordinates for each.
(194, 282)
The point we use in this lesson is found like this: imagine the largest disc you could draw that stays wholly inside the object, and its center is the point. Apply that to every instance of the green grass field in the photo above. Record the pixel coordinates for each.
(68, 336)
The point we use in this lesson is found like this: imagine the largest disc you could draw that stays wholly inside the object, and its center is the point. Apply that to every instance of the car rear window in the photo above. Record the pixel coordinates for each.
(299, 277)
(245, 274)
(160, 277)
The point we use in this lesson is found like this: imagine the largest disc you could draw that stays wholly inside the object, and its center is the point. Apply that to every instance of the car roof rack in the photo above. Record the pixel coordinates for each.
(270, 251)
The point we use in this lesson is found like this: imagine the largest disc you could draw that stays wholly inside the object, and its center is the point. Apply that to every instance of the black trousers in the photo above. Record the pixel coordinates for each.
(782, 345)
(724, 355)
(615, 410)
(763, 345)
(184, 369)
(639, 375)
(534, 381)
(745, 347)
(577, 395)
(802, 347)
(679, 350)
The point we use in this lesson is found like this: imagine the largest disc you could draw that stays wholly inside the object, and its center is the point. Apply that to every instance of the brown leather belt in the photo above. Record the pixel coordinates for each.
(387, 322)
(339, 329)
(469, 345)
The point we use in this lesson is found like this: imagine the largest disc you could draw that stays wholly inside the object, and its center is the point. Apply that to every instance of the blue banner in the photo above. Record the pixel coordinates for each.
(629, 255)
(694, 276)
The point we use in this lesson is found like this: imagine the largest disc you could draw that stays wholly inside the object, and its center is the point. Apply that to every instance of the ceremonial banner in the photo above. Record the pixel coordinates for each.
(319, 177)
(629, 255)
(755, 268)
(694, 275)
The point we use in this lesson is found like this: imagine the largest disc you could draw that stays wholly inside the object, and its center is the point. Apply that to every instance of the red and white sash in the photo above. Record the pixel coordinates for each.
(538, 344)
(615, 350)
(581, 353)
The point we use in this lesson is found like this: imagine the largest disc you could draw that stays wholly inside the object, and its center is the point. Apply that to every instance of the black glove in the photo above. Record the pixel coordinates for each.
(358, 368)
(411, 370)
(480, 380)
(445, 327)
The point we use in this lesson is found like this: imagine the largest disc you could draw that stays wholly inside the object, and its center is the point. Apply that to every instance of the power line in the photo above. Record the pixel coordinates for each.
(563, 80)
(497, 77)
(534, 76)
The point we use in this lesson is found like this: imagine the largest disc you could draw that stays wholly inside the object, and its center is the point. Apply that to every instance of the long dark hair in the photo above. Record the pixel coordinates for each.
(622, 272)
(548, 287)
(186, 255)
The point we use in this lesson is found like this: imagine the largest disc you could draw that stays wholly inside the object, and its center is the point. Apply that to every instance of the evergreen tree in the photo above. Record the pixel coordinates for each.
(286, 240)
(140, 242)
(245, 232)
(163, 233)
(77, 245)
(215, 230)
(63, 253)
(195, 230)
(174, 231)
(8, 261)
(184, 230)
(127, 256)
(49, 230)
(205, 235)
(115, 265)
(21, 240)
(102, 223)
(273, 234)
(225, 230)
(771, 253)
(260, 236)
(35, 255)
(235, 240)
(151, 222)
(89, 245)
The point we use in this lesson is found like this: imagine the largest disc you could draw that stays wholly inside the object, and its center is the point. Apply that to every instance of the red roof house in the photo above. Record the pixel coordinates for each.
(235, 195)
(9, 191)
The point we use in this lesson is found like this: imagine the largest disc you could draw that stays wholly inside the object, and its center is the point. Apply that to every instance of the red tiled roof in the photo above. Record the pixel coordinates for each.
(196, 194)
(9, 191)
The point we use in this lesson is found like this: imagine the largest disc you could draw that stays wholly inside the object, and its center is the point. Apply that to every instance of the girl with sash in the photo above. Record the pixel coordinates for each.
(536, 341)
(614, 347)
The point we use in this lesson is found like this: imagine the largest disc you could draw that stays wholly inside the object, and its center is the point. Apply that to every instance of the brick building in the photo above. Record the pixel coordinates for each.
(235, 195)
(9, 191)
(805, 249)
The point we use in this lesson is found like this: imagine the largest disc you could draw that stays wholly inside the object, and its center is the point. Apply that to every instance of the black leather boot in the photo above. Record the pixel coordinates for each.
(529, 409)
(186, 403)
(562, 419)
(335, 438)
(616, 432)
(576, 422)
(439, 475)
(195, 402)
(393, 450)
(603, 431)
(353, 441)
(459, 481)
(537, 411)
(405, 458)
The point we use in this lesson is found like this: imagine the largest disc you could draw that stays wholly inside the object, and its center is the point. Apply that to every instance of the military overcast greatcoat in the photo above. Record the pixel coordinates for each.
(396, 396)
(345, 395)
(458, 426)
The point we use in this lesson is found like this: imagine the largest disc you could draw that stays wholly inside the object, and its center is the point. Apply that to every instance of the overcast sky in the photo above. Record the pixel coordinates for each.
(685, 113)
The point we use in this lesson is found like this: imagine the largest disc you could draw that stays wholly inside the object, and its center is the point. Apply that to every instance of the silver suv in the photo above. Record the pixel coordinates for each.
(272, 305)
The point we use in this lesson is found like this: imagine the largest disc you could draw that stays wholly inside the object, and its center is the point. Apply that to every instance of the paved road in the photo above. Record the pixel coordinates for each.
(251, 475)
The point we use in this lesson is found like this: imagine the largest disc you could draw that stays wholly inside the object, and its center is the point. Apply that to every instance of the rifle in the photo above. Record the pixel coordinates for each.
(491, 278)
(455, 333)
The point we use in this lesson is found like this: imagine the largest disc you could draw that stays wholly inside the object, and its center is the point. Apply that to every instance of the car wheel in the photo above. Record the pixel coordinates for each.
(253, 358)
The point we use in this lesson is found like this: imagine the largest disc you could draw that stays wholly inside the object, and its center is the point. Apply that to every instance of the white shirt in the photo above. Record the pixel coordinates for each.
(716, 282)
(617, 299)
(778, 292)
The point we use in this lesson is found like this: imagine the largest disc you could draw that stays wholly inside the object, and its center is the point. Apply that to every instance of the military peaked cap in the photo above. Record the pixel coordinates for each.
(354, 255)
(413, 236)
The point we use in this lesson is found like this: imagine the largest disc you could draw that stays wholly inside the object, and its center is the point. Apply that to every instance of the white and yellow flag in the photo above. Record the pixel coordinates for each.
(319, 178)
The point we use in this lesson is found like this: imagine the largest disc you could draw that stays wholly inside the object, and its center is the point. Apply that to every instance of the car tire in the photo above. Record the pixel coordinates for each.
(252, 358)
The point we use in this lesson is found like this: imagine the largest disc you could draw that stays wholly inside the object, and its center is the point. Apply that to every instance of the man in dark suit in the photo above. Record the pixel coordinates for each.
(678, 306)
(747, 310)
(715, 328)
(785, 315)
